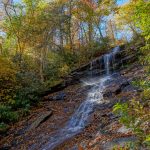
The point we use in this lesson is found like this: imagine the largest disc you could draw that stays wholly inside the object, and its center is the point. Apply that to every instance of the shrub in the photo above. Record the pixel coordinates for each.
(7, 114)
(136, 115)
(3, 127)
(8, 81)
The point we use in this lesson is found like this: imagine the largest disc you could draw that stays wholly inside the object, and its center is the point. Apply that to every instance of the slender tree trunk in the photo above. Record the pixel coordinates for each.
(100, 32)
(1, 49)
(133, 30)
(86, 36)
(111, 34)
(61, 28)
(41, 66)
(90, 31)
(70, 25)
(61, 38)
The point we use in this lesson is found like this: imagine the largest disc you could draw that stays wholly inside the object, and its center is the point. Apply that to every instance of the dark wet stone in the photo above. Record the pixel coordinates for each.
(66, 110)
(104, 106)
(5, 148)
(110, 114)
(84, 89)
(22, 131)
(60, 96)
(104, 115)
(130, 88)
(115, 75)
(110, 105)
(14, 143)
(124, 99)
(113, 117)
(114, 86)
(107, 94)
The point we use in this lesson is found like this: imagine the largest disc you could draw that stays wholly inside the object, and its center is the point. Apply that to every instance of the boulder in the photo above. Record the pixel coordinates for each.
(124, 130)
(59, 97)
(39, 120)
(115, 86)
(119, 142)
(129, 88)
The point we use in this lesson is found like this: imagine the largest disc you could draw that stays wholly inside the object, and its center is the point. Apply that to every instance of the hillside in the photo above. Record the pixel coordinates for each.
(74, 74)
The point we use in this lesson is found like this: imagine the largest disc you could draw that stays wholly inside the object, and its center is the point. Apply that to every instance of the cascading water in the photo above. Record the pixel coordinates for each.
(80, 118)
(109, 60)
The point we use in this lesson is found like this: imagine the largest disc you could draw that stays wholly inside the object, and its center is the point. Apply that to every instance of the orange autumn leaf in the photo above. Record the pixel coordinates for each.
(80, 147)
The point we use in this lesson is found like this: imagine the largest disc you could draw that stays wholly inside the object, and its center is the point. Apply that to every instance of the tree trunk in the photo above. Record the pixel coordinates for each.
(41, 66)
(70, 19)
(90, 31)
(61, 29)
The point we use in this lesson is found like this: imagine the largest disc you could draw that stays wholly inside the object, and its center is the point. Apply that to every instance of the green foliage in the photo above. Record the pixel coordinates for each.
(142, 21)
(18, 89)
(3, 127)
(7, 115)
(58, 65)
(145, 86)
(136, 116)
(141, 17)
(29, 87)
(8, 81)
(147, 140)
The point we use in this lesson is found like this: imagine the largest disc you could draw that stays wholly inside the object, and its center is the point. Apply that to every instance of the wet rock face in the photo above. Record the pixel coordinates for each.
(118, 58)
(115, 86)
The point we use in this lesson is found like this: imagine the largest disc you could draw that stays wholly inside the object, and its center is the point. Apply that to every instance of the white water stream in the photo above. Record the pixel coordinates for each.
(81, 116)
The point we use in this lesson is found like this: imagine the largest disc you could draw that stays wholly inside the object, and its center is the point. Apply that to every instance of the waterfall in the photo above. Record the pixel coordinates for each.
(109, 60)
(80, 118)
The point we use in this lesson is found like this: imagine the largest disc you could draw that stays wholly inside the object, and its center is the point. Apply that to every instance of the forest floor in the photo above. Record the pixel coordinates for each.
(103, 132)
